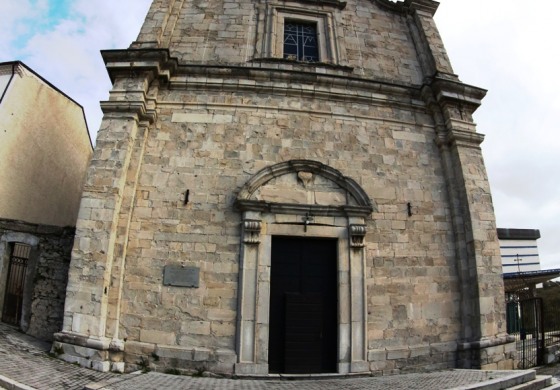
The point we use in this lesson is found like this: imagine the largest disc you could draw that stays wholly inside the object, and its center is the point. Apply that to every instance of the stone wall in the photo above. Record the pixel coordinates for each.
(411, 277)
(47, 273)
(203, 156)
(367, 39)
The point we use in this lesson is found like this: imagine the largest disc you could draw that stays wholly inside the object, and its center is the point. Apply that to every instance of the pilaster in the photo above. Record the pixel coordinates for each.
(248, 344)
(476, 246)
(151, 33)
(90, 331)
(429, 45)
(357, 231)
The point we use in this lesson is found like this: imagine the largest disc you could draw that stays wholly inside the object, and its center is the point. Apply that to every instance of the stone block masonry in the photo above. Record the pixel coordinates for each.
(44, 287)
(213, 146)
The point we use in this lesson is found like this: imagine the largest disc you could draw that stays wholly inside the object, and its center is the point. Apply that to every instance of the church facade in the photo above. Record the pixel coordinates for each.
(286, 187)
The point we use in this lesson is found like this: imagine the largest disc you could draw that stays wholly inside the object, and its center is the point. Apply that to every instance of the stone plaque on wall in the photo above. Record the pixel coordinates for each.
(181, 276)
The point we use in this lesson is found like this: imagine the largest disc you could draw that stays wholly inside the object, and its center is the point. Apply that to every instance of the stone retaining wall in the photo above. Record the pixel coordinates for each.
(47, 273)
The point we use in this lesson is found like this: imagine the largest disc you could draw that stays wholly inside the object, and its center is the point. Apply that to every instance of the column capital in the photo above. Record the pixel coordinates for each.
(462, 138)
(445, 91)
(357, 234)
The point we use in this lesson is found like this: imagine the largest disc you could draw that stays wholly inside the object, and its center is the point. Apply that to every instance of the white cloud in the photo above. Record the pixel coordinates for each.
(13, 17)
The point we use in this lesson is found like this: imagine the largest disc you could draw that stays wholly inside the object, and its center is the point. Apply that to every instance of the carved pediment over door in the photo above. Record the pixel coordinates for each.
(300, 186)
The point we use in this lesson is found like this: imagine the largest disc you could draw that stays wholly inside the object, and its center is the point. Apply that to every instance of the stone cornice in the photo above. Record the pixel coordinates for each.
(446, 91)
(390, 5)
(409, 6)
(138, 108)
(332, 3)
(296, 83)
(302, 209)
(462, 138)
(151, 63)
(297, 79)
(327, 65)
(264, 74)
(426, 6)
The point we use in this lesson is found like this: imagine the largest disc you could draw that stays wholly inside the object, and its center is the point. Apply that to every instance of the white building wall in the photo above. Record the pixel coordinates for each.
(519, 255)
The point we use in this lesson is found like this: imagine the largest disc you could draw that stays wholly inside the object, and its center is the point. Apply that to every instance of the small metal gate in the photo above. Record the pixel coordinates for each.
(530, 339)
(13, 299)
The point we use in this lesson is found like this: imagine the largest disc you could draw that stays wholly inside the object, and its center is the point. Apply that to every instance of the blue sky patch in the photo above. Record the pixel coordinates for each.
(57, 11)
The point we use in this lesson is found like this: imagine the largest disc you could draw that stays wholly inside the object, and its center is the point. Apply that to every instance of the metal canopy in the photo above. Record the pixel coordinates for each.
(516, 281)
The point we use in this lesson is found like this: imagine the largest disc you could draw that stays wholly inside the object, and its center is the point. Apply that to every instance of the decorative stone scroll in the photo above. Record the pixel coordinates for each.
(252, 231)
(357, 234)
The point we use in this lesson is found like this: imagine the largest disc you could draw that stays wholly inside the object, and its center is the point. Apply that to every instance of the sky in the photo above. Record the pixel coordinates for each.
(505, 46)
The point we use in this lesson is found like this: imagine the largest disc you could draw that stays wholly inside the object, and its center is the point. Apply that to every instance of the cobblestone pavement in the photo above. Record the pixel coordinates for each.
(24, 359)
(430, 381)
(25, 364)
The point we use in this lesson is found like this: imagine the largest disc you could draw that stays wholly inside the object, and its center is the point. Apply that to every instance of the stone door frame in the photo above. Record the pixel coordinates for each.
(261, 221)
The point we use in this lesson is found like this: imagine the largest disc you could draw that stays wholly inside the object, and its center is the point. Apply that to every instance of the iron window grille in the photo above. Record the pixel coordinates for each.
(300, 41)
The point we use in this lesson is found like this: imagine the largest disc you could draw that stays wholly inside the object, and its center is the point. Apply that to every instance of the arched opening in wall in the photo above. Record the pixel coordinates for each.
(15, 283)
(303, 327)
(302, 291)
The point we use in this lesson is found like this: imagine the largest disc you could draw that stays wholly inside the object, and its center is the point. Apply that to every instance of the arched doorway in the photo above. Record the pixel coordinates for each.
(305, 215)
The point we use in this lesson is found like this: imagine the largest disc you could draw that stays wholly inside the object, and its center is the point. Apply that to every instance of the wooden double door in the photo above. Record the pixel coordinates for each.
(303, 330)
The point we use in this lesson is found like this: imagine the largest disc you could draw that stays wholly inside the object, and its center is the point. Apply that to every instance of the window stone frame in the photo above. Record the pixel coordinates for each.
(270, 37)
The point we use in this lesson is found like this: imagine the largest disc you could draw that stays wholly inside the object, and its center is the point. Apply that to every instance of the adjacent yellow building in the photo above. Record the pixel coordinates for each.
(44, 151)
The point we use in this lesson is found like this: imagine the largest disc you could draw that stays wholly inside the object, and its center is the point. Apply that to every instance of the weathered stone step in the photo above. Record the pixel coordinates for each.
(503, 382)
(540, 382)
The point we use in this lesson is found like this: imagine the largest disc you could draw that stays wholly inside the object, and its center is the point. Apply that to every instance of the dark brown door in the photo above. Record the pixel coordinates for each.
(303, 306)
(13, 299)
